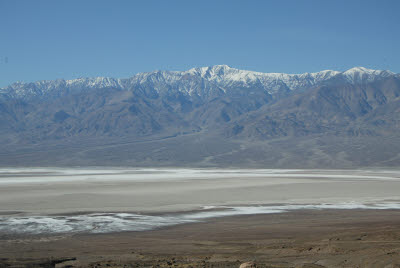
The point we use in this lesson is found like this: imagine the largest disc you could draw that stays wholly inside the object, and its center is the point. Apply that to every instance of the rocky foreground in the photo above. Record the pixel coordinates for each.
(325, 238)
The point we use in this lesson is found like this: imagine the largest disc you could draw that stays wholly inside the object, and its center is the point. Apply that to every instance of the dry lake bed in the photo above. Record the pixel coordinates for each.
(148, 216)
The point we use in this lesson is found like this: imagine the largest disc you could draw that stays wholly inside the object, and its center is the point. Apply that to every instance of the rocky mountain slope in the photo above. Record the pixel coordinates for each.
(209, 116)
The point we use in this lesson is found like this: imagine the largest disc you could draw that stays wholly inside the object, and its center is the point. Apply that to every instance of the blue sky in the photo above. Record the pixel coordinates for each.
(68, 39)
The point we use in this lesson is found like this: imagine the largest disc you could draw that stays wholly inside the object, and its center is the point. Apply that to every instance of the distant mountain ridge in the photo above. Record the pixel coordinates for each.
(220, 76)
(208, 116)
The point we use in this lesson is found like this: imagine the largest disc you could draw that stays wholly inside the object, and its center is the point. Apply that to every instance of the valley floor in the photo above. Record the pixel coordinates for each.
(55, 217)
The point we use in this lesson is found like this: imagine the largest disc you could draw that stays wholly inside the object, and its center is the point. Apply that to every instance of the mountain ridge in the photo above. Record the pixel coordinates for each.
(208, 116)
(220, 74)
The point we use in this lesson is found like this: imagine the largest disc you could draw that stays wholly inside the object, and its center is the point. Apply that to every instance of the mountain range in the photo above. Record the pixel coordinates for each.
(205, 117)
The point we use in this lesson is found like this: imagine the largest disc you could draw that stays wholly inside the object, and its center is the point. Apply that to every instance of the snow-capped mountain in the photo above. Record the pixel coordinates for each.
(205, 116)
(361, 74)
(202, 82)
(272, 82)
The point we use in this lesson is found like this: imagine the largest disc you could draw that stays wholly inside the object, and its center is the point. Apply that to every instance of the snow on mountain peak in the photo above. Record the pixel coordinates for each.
(272, 82)
(362, 74)
(360, 70)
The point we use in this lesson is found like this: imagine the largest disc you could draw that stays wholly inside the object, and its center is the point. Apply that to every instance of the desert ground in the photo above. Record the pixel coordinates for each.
(91, 217)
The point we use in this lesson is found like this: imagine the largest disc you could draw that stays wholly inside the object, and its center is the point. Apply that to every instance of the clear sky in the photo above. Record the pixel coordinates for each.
(42, 40)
